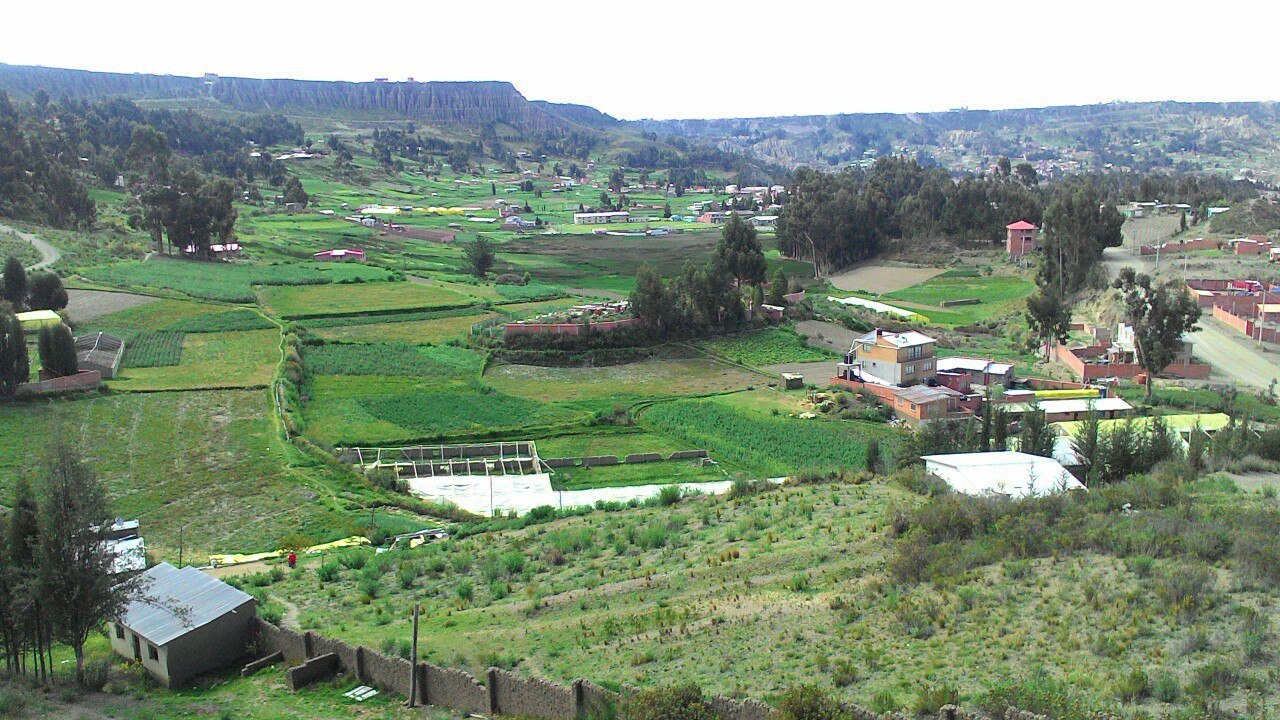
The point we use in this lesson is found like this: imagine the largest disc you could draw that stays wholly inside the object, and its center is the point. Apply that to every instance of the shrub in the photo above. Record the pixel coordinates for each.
(1133, 687)
(328, 571)
(1166, 688)
(1212, 683)
(885, 702)
(809, 702)
(930, 698)
(684, 702)
(1185, 589)
(97, 671)
(353, 560)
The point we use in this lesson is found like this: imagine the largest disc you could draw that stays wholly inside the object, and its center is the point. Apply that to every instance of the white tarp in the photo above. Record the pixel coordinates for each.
(875, 306)
(486, 496)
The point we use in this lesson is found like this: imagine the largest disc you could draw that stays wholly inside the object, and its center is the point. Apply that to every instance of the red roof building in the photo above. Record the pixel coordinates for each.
(1021, 238)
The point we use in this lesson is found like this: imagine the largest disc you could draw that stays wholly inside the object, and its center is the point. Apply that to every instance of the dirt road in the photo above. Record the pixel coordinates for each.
(48, 253)
(1229, 352)
(1234, 356)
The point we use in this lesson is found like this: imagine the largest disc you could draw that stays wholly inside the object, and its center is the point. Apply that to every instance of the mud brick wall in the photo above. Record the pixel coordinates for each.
(530, 697)
(388, 674)
(688, 454)
(317, 668)
(594, 700)
(348, 662)
(591, 460)
(748, 709)
(643, 458)
(287, 642)
(455, 689)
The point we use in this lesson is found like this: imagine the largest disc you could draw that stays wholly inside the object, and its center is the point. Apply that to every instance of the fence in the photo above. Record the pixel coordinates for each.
(502, 693)
(518, 328)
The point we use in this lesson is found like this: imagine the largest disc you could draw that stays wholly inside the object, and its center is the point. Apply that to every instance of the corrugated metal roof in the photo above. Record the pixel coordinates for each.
(179, 601)
(1001, 473)
(921, 394)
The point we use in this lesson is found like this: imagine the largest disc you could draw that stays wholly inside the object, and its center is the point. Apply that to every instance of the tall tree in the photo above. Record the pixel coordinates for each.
(293, 192)
(47, 292)
(480, 256)
(739, 248)
(15, 283)
(652, 301)
(1159, 315)
(73, 557)
(778, 288)
(1036, 437)
(15, 368)
(1049, 317)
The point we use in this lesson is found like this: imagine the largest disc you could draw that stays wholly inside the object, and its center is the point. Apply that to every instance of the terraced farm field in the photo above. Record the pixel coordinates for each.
(350, 299)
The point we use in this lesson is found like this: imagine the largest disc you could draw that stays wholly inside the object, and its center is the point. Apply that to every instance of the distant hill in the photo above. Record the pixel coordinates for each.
(1223, 137)
(450, 103)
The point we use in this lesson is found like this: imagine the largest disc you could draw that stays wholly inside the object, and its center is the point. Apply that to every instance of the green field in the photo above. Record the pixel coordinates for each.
(350, 299)
(999, 295)
(773, 346)
(393, 359)
(424, 332)
(370, 410)
(240, 359)
(659, 377)
(772, 445)
(205, 463)
(227, 282)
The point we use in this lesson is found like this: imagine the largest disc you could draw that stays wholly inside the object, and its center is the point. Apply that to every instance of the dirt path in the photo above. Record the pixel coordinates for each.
(48, 253)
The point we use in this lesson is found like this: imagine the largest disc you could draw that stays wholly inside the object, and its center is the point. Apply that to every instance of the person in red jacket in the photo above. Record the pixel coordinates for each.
(293, 560)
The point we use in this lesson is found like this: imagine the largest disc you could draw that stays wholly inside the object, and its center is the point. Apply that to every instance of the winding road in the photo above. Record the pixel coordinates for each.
(48, 253)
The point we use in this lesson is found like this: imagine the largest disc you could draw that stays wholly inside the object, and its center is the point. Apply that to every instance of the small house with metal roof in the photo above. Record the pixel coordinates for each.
(186, 624)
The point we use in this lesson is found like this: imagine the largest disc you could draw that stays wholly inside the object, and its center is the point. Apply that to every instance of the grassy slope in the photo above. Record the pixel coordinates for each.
(754, 595)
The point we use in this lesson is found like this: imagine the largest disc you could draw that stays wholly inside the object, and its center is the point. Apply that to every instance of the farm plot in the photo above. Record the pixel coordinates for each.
(766, 347)
(179, 315)
(152, 349)
(239, 359)
(392, 359)
(173, 457)
(879, 279)
(87, 305)
(227, 282)
(772, 445)
(423, 332)
(632, 474)
(647, 378)
(351, 299)
(373, 410)
(999, 295)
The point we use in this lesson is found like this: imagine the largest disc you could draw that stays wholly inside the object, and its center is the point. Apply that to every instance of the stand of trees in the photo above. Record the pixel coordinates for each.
(56, 584)
(42, 291)
(1159, 314)
(698, 301)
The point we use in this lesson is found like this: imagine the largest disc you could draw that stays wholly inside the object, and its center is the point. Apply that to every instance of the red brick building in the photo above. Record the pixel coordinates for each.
(1021, 238)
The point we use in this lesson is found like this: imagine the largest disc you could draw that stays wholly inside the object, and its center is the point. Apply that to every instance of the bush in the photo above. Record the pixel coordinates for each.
(684, 702)
(1166, 688)
(1133, 687)
(932, 697)
(809, 702)
(1185, 589)
(97, 671)
(353, 560)
(328, 571)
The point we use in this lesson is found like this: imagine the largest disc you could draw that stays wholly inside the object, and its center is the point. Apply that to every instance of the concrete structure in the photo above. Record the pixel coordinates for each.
(1008, 474)
(1073, 409)
(904, 358)
(101, 352)
(1119, 359)
(765, 221)
(979, 371)
(600, 218)
(1020, 238)
(921, 403)
(191, 623)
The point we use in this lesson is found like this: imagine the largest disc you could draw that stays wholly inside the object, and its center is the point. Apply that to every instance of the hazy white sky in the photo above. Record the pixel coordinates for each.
(663, 59)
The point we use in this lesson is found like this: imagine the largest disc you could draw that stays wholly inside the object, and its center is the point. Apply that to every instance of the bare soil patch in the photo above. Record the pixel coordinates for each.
(86, 305)
(883, 278)
(827, 335)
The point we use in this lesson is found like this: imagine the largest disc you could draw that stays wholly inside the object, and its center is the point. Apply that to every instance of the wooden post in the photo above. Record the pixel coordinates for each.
(413, 662)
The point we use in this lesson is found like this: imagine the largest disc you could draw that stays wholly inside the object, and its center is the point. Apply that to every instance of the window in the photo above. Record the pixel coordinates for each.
(913, 406)
(927, 366)
(913, 352)
(152, 652)
(119, 632)
(909, 370)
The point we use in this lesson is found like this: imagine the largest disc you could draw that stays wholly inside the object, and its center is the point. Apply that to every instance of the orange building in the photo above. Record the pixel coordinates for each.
(1021, 238)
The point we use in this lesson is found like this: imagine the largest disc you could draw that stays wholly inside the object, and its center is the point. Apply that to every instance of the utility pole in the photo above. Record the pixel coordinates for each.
(413, 661)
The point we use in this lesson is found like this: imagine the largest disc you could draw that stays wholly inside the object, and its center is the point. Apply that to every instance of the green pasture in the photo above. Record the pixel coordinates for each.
(772, 346)
(657, 377)
(237, 359)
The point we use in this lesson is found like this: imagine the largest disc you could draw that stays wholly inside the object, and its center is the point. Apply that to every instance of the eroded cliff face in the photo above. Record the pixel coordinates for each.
(451, 103)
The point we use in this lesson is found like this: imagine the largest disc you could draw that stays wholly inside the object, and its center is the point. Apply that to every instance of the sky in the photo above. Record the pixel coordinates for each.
(663, 59)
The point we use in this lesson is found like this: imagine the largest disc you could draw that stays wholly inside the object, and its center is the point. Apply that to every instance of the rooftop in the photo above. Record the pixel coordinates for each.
(921, 394)
(902, 339)
(976, 364)
(179, 601)
(1013, 474)
(1021, 225)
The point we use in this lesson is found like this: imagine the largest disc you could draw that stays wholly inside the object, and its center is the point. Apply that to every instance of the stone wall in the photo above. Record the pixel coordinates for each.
(530, 697)
(348, 661)
(596, 460)
(643, 458)
(688, 454)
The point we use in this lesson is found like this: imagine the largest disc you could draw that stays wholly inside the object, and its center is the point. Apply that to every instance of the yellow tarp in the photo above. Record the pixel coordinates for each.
(36, 319)
(1066, 394)
(235, 559)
